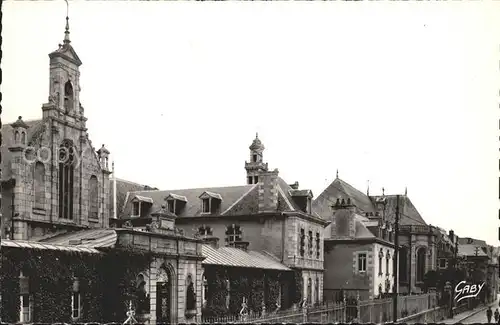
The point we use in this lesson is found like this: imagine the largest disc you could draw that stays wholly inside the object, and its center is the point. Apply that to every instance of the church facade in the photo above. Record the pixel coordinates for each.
(53, 179)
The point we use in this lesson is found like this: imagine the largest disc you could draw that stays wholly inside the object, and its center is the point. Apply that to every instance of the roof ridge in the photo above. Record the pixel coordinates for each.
(193, 188)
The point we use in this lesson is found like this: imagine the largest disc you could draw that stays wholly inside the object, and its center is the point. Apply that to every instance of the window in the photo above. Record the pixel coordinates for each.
(254, 158)
(316, 291)
(233, 234)
(310, 238)
(256, 179)
(442, 263)
(390, 236)
(318, 246)
(403, 264)
(309, 205)
(66, 168)
(421, 255)
(68, 96)
(387, 257)
(205, 231)
(309, 291)
(75, 305)
(190, 293)
(250, 180)
(39, 178)
(23, 138)
(302, 242)
(142, 294)
(136, 208)
(25, 299)
(171, 206)
(362, 262)
(380, 256)
(206, 205)
(93, 197)
(228, 294)
(204, 292)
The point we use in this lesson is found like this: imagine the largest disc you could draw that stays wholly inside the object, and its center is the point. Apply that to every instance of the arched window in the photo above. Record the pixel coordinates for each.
(190, 293)
(204, 292)
(66, 169)
(421, 254)
(93, 197)
(76, 306)
(39, 180)
(16, 136)
(387, 258)
(25, 299)
(403, 264)
(309, 291)
(143, 305)
(380, 265)
(68, 96)
(23, 137)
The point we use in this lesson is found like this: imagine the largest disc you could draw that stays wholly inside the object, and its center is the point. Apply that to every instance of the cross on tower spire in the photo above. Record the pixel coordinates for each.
(66, 32)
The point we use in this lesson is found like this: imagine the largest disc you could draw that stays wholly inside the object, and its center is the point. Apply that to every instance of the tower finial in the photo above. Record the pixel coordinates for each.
(256, 135)
(66, 32)
(383, 191)
(368, 188)
(337, 173)
(406, 191)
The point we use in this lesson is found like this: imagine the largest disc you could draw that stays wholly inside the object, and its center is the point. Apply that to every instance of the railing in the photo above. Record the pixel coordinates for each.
(346, 311)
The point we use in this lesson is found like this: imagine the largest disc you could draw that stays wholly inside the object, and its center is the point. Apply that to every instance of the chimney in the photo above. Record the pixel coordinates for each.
(212, 241)
(343, 222)
(268, 191)
(295, 185)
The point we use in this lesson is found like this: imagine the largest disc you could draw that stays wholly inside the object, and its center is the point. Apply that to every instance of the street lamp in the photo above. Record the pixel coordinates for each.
(447, 288)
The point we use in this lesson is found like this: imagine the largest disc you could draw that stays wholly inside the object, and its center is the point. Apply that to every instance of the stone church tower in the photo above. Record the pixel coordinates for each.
(53, 179)
(256, 164)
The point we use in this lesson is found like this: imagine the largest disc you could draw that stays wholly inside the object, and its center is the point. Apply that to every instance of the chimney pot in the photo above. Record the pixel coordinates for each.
(212, 241)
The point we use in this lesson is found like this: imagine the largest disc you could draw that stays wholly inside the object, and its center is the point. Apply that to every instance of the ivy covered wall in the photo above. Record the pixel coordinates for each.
(256, 285)
(106, 283)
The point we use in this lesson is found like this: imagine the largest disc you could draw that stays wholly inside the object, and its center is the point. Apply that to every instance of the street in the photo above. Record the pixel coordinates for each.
(481, 316)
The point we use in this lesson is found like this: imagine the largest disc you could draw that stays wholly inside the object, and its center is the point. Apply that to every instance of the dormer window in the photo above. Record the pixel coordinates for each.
(141, 205)
(303, 198)
(175, 203)
(210, 203)
(206, 205)
(171, 206)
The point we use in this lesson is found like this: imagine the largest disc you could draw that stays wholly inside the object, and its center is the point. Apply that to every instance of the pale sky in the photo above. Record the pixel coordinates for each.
(398, 93)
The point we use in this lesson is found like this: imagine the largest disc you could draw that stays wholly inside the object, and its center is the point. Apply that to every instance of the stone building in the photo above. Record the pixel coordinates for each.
(265, 215)
(366, 250)
(56, 202)
(52, 177)
(417, 239)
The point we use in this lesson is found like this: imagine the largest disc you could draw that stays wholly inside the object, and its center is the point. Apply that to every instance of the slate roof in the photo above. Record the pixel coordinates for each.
(340, 189)
(92, 238)
(409, 214)
(472, 241)
(230, 256)
(46, 246)
(364, 203)
(122, 189)
(470, 250)
(236, 200)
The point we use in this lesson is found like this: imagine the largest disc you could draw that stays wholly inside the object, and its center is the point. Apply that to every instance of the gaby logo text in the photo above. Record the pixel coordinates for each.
(464, 290)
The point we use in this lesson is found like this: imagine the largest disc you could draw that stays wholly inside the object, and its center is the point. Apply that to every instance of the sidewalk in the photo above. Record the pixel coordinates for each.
(462, 316)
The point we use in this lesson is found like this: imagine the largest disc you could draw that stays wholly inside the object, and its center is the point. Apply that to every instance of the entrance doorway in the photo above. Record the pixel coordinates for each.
(163, 302)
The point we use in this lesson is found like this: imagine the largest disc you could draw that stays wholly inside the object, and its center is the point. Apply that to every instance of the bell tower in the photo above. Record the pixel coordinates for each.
(256, 164)
(64, 84)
